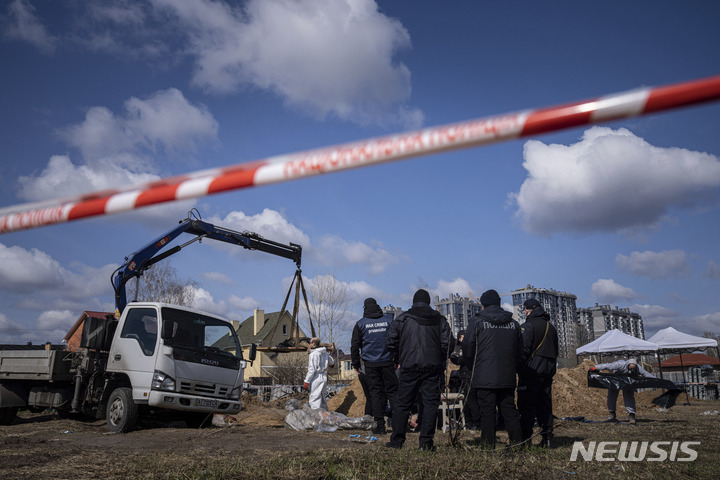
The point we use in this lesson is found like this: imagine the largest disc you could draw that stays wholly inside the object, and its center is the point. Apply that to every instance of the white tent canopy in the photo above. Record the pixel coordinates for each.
(671, 340)
(619, 343)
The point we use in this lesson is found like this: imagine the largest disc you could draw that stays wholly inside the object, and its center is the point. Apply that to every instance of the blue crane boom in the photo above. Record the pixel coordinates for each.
(138, 262)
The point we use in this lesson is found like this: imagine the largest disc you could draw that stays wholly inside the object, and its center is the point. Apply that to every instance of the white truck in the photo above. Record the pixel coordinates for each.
(157, 358)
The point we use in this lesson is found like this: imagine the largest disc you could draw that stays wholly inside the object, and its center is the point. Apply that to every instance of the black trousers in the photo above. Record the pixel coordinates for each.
(504, 400)
(382, 387)
(366, 391)
(535, 402)
(427, 384)
(471, 409)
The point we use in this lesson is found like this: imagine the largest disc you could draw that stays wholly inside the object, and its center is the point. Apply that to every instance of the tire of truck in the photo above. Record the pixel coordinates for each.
(7, 415)
(121, 412)
(198, 420)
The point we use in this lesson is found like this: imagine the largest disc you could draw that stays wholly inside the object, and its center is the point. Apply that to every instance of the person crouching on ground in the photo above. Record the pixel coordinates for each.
(622, 367)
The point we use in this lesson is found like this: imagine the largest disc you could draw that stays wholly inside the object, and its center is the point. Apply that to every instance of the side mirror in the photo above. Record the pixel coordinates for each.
(252, 354)
(166, 333)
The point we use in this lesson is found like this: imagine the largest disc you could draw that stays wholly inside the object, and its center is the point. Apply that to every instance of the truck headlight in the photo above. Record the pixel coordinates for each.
(235, 393)
(162, 381)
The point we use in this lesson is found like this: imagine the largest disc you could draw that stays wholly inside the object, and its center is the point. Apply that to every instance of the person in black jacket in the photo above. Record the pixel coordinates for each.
(540, 347)
(493, 350)
(368, 337)
(419, 341)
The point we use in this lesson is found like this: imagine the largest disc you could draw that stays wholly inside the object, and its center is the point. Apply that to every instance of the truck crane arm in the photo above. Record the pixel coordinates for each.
(138, 262)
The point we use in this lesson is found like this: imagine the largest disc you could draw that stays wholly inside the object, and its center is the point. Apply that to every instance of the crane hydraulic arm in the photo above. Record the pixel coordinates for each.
(136, 264)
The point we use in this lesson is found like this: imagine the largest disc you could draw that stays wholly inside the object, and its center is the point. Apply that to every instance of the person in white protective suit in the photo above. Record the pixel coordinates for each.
(316, 378)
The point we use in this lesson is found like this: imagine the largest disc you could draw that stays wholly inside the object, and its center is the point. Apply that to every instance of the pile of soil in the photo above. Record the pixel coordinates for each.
(349, 401)
(255, 412)
(571, 396)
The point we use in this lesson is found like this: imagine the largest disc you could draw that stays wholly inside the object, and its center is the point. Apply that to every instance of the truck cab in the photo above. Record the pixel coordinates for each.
(166, 356)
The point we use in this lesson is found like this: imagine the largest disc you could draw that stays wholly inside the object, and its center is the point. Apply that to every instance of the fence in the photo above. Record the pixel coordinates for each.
(268, 393)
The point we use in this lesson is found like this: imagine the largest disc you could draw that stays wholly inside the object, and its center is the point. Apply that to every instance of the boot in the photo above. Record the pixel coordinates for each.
(632, 419)
(380, 427)
(612, 417)
(545, 442)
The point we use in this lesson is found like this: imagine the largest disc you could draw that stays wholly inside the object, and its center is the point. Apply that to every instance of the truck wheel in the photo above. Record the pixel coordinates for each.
(121, 413)
(7, 415)
(198, 420)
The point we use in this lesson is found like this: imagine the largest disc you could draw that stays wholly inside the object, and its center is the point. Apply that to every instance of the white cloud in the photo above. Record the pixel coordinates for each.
(203, 300)
(713, 270)
(657, 265)
(10, 329)
(22, 24)
(125, 15)
(218, 278)
(444, 288)
(324, 57)
(706, 323)
(120, 150)
(23, 271)
(242, 304)
(34, 271)
(606, 290)
(333, 250)
(165, 119)
(62, 178)
(60, 320)
(656, 317)
(610, 180)
(269, 224)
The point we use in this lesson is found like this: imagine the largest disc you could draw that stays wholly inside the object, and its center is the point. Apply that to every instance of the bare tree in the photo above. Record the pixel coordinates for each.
(713, 352)
(160, 283)
(330, 310)
(289, 368)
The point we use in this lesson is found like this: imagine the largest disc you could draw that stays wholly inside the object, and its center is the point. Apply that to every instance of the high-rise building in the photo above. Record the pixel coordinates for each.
(392, 310)
(563, 314)
(457, 310)
(601, 318)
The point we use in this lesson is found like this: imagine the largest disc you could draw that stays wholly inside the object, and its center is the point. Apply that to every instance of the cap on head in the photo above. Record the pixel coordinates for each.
(369, 302)
(531, 303)
(421, 296)
(491, 297)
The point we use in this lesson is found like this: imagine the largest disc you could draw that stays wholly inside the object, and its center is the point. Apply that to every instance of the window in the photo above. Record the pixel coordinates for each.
(284, 329)
(141, 325)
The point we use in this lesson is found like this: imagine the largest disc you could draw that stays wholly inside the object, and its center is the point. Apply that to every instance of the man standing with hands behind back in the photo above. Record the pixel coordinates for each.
(419, 342)
(368, 337)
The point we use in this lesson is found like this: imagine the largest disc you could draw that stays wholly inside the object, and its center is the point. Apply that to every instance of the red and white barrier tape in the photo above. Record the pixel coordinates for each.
(359, 154)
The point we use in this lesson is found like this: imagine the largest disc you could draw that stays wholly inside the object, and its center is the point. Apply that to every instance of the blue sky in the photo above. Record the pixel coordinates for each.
(105, 94)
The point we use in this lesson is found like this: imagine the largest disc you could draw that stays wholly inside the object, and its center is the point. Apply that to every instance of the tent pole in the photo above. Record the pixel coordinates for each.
(682, 369)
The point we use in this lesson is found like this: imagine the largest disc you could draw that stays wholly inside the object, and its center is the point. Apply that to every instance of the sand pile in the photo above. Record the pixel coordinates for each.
(571, 396)
(349, 401)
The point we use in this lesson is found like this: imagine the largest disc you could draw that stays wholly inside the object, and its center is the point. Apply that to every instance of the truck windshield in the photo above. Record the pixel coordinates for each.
(200, 332)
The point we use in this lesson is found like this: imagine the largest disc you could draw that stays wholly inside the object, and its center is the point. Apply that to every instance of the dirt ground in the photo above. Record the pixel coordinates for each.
(43, 445)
